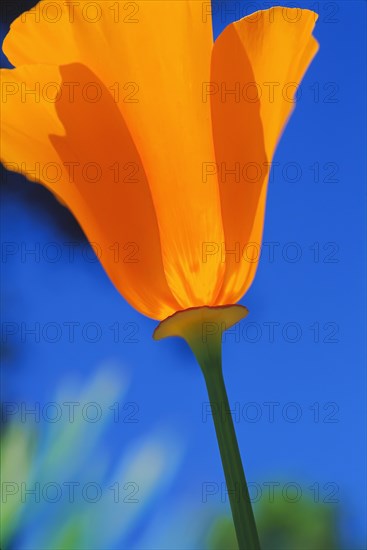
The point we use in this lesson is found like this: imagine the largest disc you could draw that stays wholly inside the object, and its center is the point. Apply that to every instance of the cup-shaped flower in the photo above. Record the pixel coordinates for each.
(158, 139)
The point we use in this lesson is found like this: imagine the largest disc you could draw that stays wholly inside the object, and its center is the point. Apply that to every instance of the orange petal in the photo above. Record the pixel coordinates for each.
(269, 50)
(159, 64)
(101, 176)
(172, 129)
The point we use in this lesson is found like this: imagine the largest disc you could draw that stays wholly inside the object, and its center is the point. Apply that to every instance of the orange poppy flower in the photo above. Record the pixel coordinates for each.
(157, 139)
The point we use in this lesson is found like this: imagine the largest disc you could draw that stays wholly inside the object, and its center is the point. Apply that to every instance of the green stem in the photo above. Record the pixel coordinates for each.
(202, 328)
(243, 517)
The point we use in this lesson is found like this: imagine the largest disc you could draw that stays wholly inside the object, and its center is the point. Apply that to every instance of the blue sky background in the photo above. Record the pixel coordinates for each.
(318, 300)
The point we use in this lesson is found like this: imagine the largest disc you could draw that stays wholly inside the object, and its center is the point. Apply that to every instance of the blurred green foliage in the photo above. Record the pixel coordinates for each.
(284, 525)
(56, 454)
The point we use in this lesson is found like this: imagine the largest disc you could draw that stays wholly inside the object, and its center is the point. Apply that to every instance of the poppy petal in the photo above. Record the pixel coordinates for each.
(260, 60)
(101, 178)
